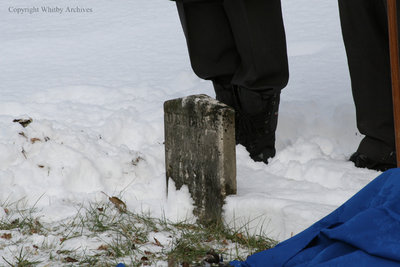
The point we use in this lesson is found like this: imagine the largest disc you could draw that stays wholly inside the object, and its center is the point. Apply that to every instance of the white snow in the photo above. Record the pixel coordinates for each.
(94, 85)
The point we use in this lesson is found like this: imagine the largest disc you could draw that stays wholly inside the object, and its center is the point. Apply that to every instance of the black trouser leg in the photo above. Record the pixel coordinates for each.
(212, 50)
(241, 40)
(365, 34)
(259, 34)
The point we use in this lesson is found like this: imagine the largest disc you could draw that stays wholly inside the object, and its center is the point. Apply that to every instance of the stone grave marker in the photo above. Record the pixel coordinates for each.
(200, 151)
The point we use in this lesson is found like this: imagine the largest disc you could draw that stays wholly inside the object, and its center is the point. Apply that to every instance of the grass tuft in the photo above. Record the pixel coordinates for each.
(101, 235)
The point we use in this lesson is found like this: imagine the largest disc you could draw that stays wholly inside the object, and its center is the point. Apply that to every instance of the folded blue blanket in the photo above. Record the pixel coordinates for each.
(364, 231)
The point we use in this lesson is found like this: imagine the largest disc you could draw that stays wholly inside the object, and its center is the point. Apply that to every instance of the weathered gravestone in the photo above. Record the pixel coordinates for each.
(200, 151)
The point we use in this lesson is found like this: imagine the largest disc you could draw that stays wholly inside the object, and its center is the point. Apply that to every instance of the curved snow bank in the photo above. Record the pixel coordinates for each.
(84, 140)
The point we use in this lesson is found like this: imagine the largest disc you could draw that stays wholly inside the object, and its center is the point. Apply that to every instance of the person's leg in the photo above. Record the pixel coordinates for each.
(209, 39)
(212, 50)
(241, 45)
(365, 34)
(240, 38)
(257, 27)
(258, 30)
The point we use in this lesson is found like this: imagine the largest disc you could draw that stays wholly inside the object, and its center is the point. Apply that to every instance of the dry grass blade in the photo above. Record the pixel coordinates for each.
(102, 247)
(23, 135)
(69, 259)
(157, 242)
(24, 153)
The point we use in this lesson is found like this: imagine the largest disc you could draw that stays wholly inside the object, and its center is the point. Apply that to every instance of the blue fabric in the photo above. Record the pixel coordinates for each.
(364, 231)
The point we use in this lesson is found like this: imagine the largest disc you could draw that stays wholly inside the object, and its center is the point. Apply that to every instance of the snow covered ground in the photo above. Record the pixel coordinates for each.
(94, 84)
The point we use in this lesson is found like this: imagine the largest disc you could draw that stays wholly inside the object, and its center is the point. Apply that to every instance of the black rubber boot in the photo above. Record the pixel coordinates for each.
(375, 154)
(363, 161)
(257, 119)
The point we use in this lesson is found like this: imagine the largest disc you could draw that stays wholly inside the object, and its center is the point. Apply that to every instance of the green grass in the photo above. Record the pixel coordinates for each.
(20, 217)
(21, 259)
(119, 237)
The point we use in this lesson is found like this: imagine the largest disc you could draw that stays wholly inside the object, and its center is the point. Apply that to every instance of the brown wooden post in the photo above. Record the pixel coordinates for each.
(395, 70)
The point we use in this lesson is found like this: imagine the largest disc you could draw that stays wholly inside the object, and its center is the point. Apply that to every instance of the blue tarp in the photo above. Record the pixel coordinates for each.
(364, 231)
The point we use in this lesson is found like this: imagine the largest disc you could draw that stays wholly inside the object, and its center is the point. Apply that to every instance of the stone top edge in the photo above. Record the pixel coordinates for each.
(202, 100)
